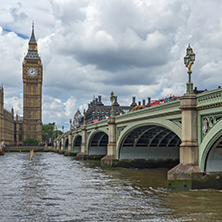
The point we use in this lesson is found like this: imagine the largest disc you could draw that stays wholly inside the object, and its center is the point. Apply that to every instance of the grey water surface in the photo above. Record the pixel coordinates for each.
(53, 187)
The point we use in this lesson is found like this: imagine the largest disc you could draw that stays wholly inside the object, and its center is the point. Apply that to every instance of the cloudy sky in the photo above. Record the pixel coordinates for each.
(93, 47)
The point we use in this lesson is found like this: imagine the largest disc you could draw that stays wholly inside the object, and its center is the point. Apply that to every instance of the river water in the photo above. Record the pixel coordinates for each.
(53, 187)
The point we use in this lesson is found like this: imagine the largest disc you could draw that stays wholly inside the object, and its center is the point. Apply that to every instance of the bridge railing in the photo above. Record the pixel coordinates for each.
(158, 110)
(209, 99)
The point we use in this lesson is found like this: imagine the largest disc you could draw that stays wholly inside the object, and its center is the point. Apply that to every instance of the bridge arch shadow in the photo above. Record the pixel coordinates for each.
(150, 142)
(59, 147)
(210, 150)
(214, 158)
(76, 144)
(97, 143)
(66, 144)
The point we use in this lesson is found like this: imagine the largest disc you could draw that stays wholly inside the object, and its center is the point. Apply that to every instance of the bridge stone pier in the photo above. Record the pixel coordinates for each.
(182, 173)
(83, 154)
(110, 158)
(184, 135)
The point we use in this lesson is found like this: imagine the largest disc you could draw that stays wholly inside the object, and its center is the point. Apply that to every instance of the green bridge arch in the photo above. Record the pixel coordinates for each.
(91, 137)
(164, 123)
(66, 144)
(74, 148)
(59, 145)
(209, 140)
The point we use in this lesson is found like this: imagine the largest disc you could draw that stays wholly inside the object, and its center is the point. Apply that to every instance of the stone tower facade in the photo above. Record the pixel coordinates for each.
(6, 122)
(32, 91)
(1, 113)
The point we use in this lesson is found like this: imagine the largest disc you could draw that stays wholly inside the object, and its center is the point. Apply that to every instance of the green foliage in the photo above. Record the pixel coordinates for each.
(44, 136)
(31, 141)
(56, 133)
(49, 134)
(47, 131)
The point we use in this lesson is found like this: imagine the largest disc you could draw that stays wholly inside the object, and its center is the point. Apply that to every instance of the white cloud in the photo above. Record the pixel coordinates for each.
(16, 103)
(12, 49)
(93, 47)
(54, 110)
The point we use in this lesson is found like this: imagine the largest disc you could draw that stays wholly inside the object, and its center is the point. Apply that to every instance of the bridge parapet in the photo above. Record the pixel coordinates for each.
(209, 99)
(76, 131)
(151, 112)
(97, 125)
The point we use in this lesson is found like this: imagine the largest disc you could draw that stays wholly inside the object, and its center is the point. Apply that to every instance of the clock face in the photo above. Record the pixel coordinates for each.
(32, 72)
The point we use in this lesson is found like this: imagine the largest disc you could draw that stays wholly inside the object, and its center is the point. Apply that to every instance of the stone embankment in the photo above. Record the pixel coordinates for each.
(28, 148)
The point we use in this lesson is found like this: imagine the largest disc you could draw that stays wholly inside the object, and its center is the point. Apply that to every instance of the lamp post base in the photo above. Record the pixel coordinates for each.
(189, 88)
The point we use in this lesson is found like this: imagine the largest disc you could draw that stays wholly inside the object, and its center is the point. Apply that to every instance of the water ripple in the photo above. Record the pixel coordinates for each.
(53, 187)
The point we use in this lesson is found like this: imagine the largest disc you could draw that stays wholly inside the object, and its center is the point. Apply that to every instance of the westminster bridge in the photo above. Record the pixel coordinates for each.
(186, 133)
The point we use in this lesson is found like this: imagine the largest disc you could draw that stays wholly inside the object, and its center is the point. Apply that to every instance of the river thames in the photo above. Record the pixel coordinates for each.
(53, 187)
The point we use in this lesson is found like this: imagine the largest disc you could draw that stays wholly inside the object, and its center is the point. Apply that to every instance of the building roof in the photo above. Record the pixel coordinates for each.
(32, 55)
(32, 39)
(32, 51)
(98, 111)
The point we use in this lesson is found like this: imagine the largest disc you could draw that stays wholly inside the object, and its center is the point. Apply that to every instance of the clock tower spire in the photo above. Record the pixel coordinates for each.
(32, 39)
(32, 91)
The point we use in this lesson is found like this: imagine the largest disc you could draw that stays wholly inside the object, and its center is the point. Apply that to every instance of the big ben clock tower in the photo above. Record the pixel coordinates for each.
(32, 91)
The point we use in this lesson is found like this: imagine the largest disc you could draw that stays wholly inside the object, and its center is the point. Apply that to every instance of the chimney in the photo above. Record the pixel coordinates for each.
(99, 101)
(133, 104)
(144, 102)
(148, 104)
(139, 103)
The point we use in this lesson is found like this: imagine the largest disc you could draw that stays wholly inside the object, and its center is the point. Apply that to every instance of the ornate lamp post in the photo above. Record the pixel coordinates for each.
(70, 124)
(112, 97)
(189, 61)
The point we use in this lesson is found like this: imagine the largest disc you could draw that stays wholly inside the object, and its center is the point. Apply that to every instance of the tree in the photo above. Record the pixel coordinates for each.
(56, 133)
(44, 136)
(49, 134)
(31, 142)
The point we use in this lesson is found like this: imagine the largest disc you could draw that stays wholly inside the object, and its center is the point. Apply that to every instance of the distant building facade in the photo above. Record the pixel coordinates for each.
(98, 111)
(6, 121)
